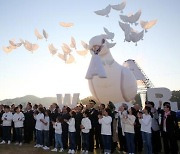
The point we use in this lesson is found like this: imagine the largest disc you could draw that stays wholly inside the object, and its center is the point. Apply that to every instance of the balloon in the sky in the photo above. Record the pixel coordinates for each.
(104, 12)
(136, 36)
(7, 49)
(66, 49)
(109, 34)
(120, 84)
(66, 24)
(67, 58)
(127, 30)
(125, 27)
(13, 44)
(30, 47)
(62, 56)
(52, 49)
(119, 7)
(22, 41)
(82, 52)
(37, 34)
(45, 34)
(70, 59)
(85, 45)
(131, 18)
(147, 24)
(73, 43)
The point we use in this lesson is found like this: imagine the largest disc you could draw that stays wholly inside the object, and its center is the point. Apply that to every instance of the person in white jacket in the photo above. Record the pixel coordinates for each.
(72, 132)
(46, 122)
(58, 134)
(7, 121)
(105, 120)
(85, 128)
(18, 119)
(129, 121)
(121, 136)
(145, 121)
(39, 127)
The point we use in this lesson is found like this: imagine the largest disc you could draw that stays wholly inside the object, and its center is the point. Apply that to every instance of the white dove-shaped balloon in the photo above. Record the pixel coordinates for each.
(37, 34)
(73, 43)
(30, 46)
(147, 24)
(52, 49)
(45, 34)
(66, 24)
(104, 12)
(109, 34)
(136, 36)
(132, 18)
(119, 7)
(119, 84)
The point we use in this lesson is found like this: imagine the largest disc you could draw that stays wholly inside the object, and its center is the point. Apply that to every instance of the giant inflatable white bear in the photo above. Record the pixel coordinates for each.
(119, 85)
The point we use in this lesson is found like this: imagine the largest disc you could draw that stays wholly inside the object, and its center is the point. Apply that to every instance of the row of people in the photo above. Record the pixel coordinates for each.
(135, 128)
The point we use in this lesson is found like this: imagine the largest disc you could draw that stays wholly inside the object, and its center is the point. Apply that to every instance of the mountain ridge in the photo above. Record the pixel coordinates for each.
(46, 101)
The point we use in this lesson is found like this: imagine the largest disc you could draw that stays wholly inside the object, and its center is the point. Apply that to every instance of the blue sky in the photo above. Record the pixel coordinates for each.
(42, 74)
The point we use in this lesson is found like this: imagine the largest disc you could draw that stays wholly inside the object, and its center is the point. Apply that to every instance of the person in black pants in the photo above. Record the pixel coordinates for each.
(29, 124)
(169, 128)
(53, 115)
(1, 113)
(78, 119)
(93, 116)
(65, 126)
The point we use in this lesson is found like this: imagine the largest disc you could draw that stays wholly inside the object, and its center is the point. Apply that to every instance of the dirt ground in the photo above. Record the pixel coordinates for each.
(29, 149)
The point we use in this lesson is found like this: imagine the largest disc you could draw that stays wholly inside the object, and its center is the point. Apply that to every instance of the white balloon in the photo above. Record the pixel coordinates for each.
(104, 12)
(147, 24)
(109, 34)
(120, 84)
(119, 7)
(131, 18)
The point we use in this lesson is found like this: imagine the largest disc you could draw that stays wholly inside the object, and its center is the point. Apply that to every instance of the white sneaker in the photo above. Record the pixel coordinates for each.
(83, 151)
(54, 150)
(46, 148)
(9, 142)
(16, 143)
(61, 150)
(20, 144)
(86, 152)
(70, 151)
(37, 145)
(40, 146)
(3, 142)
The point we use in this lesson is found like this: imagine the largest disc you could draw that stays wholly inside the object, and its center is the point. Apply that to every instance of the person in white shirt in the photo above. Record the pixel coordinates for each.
(72, 132)
(85, 128)
(58, 134)
(129, 121)
(39, 127)
(105, 121)
(7, 120)
(18, 119)
(46, 129)
(145, 121)
(121, 136)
